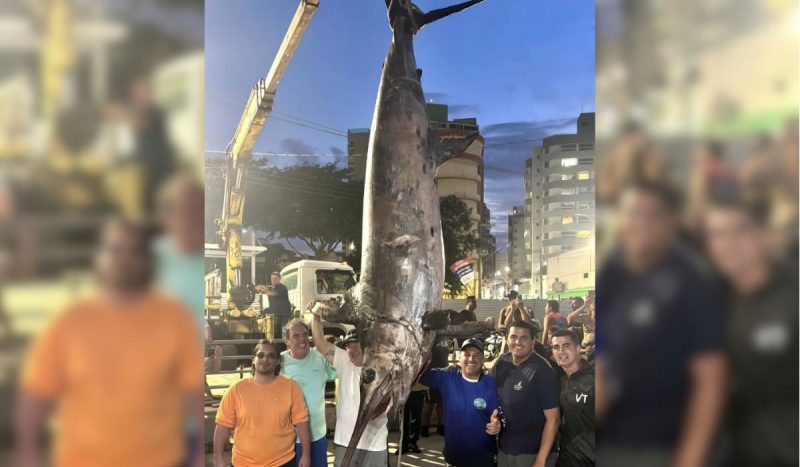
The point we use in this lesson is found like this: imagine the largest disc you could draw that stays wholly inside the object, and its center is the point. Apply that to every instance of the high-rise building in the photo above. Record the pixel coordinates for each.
(357, 146)
(559, 204)
(519, 267)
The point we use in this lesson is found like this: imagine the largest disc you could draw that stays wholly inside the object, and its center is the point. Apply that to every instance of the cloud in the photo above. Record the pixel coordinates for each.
(463, 110)
(301, 149)
(296, 146)
(341, 157)
(508, 145)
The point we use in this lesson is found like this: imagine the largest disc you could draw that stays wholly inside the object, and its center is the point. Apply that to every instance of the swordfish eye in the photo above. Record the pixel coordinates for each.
(368, 376)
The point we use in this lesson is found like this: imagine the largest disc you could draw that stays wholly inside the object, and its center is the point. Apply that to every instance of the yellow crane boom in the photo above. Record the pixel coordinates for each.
(239, 156)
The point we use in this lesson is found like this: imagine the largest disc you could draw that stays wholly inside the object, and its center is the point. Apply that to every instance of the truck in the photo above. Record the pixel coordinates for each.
(309, 281)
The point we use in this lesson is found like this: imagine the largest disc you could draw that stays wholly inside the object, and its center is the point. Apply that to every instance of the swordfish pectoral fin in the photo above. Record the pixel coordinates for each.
(337, 310)
(446, 149)
(471, 329)
(434, 15)
(436, 320)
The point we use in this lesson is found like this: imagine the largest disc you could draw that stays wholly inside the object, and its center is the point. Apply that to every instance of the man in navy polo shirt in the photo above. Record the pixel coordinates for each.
(528, 390)
(470, 408)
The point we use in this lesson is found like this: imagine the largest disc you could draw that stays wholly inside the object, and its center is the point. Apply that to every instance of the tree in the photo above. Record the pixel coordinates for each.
(313, 208)
(460, 240)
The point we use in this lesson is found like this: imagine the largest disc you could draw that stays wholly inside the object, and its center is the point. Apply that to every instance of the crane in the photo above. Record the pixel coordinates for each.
(256, 111)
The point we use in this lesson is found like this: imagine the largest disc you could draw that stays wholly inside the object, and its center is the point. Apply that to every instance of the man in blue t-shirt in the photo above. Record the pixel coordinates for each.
(470, 408)
(528, 389)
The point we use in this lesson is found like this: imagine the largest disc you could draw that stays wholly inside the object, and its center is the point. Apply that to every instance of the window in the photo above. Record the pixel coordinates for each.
(333, 281)
(571, 162)
(567, 177)
(569, 147)
(585, 275)
(290, 280)
(583, 176)
(587, 147)
(586, 161)
(568, 205)
(567, 220)
(568, 235)
(585, 205)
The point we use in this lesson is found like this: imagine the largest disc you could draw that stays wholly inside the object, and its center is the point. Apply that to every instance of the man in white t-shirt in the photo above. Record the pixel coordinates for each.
(371, 450)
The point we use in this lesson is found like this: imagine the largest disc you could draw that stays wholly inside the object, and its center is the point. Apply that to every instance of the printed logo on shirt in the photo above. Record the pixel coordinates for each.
(479, 403)
(771, 337)
(518, 386)
(581, 397)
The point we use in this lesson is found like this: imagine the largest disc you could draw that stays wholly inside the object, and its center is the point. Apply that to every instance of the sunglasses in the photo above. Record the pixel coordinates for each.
(262, 355)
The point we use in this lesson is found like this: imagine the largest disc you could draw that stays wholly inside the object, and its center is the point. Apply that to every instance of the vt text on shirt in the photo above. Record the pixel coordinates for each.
(577, 429)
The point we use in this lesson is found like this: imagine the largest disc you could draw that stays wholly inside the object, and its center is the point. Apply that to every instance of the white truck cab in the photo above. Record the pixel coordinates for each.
(310, 280)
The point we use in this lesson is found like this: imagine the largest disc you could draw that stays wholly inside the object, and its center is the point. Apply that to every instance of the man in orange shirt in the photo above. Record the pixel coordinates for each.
(122, 371)
(265, 410)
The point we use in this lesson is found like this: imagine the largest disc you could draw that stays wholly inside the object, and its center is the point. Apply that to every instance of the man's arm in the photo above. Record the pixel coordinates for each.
(549, 433)
(31, 414)
(709, 379)
(524, 313)
(195, 411)
(575, 315)
(221, 436)
(304, 433)
(325, 348)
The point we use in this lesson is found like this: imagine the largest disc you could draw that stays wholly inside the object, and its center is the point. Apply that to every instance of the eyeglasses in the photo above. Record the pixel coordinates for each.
(262, 355)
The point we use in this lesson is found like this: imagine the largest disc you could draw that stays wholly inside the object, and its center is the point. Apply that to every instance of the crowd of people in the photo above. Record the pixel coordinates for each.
(528, 409)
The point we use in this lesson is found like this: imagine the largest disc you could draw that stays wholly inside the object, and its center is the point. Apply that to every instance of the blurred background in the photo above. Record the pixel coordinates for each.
(100, 102)
(699, 98)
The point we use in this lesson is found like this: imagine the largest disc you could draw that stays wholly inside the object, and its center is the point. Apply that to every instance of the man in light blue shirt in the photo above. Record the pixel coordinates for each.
(311, 371)
(179, 252)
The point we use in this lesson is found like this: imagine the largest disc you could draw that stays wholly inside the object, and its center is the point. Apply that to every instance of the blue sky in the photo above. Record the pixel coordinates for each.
(524, 68)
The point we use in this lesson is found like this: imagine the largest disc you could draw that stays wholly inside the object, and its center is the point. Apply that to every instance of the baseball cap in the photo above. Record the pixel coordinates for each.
(351, 337)
(472, 343)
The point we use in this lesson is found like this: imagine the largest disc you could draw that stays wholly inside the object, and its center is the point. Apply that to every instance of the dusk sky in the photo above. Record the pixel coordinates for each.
(524, 68)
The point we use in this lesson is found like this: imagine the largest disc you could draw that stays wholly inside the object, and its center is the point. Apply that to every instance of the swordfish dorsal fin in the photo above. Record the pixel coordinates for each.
(446, 149)
(421, 18)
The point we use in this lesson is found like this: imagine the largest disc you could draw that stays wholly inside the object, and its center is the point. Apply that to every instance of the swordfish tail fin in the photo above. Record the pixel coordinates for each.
(434, 15)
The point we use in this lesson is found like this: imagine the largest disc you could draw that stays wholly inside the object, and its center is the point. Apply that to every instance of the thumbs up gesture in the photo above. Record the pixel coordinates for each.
(493, 427)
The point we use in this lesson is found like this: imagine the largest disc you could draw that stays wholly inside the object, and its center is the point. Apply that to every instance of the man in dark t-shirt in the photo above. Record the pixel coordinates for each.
(576, 436)
(440, 358)
(528, 390)
(761, 337)
(278, 300)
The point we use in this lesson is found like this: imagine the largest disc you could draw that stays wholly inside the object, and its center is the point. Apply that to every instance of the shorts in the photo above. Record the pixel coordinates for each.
(363, 457)
(523, 460)
(319, 452)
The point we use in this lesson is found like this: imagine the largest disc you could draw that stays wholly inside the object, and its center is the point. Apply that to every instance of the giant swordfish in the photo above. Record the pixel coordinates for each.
(397, 302)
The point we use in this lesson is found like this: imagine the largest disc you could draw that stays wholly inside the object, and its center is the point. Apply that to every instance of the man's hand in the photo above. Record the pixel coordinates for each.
(261, 288)
(493, 427)
(305, 461)
(310, 307)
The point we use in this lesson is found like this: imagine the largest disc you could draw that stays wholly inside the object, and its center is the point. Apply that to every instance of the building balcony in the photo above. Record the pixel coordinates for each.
(574, 169)
(574, 183)
(448, 175)
(568, 198)
(578, 241)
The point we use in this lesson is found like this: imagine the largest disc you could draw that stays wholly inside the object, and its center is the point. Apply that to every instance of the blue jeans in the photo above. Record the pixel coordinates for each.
(319, 452)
